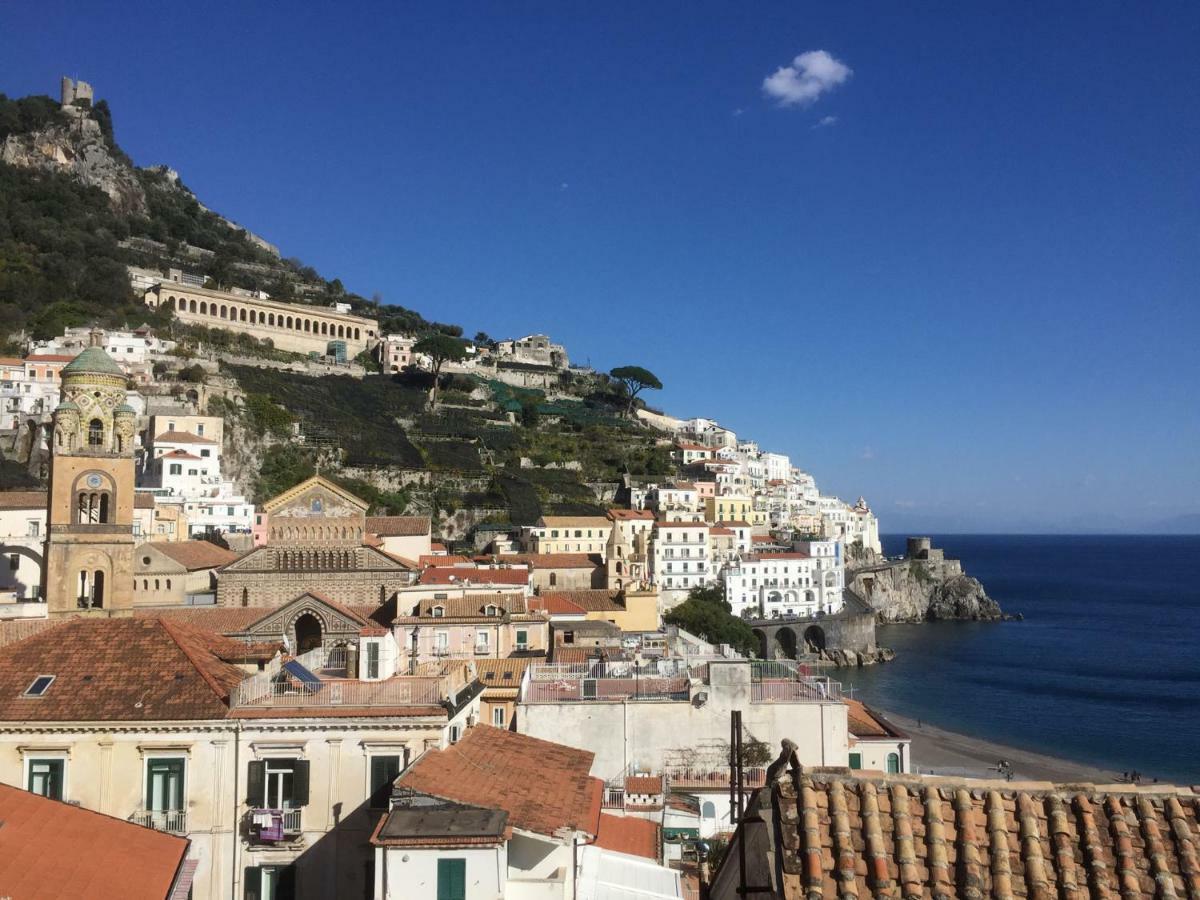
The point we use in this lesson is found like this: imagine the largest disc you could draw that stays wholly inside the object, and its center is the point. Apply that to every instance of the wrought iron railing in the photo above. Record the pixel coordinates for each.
(170, 820)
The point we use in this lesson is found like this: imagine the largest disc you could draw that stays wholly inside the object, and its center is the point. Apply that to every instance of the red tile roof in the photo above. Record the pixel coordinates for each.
(181, 437)
(443, 559)
(398, 526)
(452, 575)
(469, 606)
(55, 851)
(22, 499)
(850, 834)
(556, 604)
(50, 357)
(628, 834)
(18, 629)
(864, 722)
(644, 784)
(588, 600)
(196, 555)
(130, 669)
(552, 560)
(544, 787)
(215, 619)
(628, 514)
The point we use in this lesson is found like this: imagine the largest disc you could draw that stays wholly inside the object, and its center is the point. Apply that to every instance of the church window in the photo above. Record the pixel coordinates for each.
(168, 584)
(553, 579)
(95, 433)
(156, 584)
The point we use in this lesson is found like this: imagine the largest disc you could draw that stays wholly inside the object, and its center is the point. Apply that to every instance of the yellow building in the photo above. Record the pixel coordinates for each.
(89, 541)
(731, 508)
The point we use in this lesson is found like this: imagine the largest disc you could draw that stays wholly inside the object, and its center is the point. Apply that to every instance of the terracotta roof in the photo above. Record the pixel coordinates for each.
(771, 557)
(761, 539)
(644, 784)
(719, 531)
(178, 454)
(847, 834)
(50, 357)
(553, 560)
(627, 514)
(51, 850)
(587, 600)
(443, 559)
(544, 787)
(22, 499)
(734, 523)
(469, 606)
(215, 619)
(864, 722)
(398, 526)
(661, 525)
(555, 604)
(629, 834)
(502, 673)
(574, 522)
(181, 437)
(18, 629)
(694, 447)
(11, 361)
(452, 575)
(129, 669)
(196, 555)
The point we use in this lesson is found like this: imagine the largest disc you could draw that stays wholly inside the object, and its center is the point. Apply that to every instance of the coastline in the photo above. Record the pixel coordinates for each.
(937, 751)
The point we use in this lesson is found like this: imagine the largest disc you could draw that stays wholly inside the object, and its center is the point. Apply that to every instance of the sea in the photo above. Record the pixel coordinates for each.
(1104, 669)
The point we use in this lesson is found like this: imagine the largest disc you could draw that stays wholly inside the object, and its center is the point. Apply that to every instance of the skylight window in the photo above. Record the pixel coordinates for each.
(39, 686)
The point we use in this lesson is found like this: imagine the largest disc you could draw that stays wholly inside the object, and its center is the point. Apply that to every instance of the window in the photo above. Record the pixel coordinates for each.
(46, 777)
(455, 733)
(176, 468)
(522, 639)
(893, 763)
(270, 883)
(708, 810)
(856, 760)
(498, 716)
(373, 659)
(164, 784)
(384, 771)
(200, 430)
(452, 879)
(206, 453)
(34, 528)
(277, 784)
(14, 562)
(439, 612)
(39, 686)
(95, 433)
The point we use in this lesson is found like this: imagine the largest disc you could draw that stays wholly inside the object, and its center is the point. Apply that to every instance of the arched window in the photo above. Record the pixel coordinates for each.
(242, 314)
(104, 516)
(708, 810)
(224, 311)
(356, 334)
(438, 612)
(324, 328)
(307, 325)
(245, 596)
(156, 584)
(893, 763)
(271, 319)
(553, 579)
(203, 308)
(95, 433)
(341, 332)
(289, 321)
(168, 584)
(192, 306)
(98, 589)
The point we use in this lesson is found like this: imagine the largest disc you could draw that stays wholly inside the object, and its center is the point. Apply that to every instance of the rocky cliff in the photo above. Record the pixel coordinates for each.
(923, 591)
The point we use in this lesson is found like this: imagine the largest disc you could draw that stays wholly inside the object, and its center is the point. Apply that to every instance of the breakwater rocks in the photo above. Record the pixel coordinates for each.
(846, 659)
(922, 587)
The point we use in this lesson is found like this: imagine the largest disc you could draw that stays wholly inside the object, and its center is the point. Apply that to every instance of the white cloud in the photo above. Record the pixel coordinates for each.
(737, 112)
(866, 453)
(826, 122)
(810, 75)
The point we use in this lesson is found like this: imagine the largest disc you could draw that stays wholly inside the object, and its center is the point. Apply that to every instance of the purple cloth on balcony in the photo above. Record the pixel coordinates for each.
(270, 824)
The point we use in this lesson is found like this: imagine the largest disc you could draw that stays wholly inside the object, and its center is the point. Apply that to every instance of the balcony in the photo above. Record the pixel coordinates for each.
(274, 826)
(173, 821)
(611, 682)
(712, 777)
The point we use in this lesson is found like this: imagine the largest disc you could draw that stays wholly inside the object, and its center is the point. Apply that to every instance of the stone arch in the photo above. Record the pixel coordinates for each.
(289, 321)
(271, 319)
(170, 303)
(814, 637)
(308, 630)
(203, 308)
(356, 334)
(774, 597)
(191, 306)
(764, 647)
(341, 332)
(785, 642)
(242, 315)
(324, 328)
(810, 597)
(224, 311)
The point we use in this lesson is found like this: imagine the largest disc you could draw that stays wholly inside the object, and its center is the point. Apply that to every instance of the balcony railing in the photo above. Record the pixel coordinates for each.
(170, 820)
(712, 777)
(273, 825)
(289, 694)
(611, 681)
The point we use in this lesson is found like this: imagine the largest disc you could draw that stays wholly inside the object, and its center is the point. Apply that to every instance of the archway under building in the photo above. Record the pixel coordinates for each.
(764, 645)
(308, 633)
(785, 642)
(814, 637)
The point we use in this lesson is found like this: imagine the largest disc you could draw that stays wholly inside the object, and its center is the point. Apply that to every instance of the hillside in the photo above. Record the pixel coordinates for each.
(75, 211)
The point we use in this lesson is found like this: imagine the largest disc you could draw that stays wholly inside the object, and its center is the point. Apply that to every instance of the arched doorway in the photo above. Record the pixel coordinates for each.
(308, 633)
(785, 642)
(814, 638)
(764, 649)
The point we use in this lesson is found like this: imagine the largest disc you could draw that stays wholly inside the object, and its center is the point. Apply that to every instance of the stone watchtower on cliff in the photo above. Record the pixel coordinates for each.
(89, 540)
(75, 93)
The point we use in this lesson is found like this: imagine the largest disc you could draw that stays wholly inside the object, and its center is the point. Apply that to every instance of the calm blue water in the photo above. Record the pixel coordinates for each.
(1105, 669)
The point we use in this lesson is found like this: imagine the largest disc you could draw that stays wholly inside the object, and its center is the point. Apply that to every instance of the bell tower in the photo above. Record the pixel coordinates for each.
(88, 563)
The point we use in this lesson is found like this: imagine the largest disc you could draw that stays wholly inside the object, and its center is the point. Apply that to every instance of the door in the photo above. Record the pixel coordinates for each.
(46, 777)
(452, 879)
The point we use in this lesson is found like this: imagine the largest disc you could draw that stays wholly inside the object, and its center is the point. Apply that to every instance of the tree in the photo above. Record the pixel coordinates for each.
(706, 613)
(635, 379)
(441, 349)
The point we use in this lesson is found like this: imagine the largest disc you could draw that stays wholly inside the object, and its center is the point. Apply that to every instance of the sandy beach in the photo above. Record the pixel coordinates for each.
(940, 752)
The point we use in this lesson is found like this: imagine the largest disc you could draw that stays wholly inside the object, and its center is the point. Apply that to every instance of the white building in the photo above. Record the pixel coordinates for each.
(682, 559)
(22, 534)
(804, 582)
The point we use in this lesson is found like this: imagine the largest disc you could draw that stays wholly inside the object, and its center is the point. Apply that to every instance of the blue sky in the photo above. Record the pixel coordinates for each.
(947, 260)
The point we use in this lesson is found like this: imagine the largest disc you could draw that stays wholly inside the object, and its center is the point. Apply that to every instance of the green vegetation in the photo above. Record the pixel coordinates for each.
(441, 349)
(264, 416)
(635, 379)
(706, 613)
(283, 466)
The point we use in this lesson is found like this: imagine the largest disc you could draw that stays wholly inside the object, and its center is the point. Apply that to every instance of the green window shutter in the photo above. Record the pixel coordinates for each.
(253, 881)
(300, 783)
(384, 771)
(893, 763)
(452, 879)
(856, 760)
(256, 774)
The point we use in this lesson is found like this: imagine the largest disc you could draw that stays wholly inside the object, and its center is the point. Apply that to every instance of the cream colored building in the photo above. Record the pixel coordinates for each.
(295, 327)
(729, 508)
(22, 532)
(569, 534)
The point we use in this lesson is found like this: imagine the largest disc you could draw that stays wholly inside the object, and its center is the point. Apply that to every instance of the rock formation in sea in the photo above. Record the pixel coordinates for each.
(924, 586)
